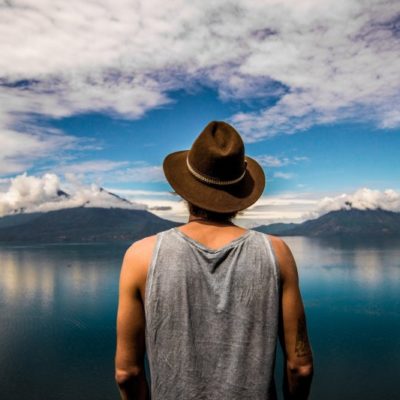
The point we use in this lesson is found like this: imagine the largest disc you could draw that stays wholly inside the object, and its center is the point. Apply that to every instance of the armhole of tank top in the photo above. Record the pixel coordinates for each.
(150, 269)
(271, 251)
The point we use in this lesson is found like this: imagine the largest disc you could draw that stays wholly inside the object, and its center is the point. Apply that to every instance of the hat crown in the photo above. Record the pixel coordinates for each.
(215, 174)
(218, 153)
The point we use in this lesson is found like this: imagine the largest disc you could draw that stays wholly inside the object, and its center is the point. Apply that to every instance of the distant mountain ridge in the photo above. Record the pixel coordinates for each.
(81, 224)
(88, 223)
(102, 216)
(344, 222)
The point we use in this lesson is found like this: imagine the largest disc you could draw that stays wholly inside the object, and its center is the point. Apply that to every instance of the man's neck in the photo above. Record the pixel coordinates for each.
(193, 218)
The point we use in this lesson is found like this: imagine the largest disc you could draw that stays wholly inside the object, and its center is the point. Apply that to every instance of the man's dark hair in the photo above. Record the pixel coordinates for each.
(211, 215)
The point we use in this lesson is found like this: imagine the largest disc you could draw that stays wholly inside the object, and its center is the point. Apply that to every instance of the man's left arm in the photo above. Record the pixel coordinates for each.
(129, 358)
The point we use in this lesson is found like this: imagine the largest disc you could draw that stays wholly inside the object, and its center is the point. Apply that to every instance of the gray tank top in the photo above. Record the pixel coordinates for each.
(212, 318)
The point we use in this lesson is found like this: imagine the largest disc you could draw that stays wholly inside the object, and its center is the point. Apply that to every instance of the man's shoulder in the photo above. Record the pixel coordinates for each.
(278, 244)
(142, 249)
(283, 255)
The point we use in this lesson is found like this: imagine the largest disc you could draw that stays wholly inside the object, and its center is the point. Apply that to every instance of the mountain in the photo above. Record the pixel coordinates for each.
(92, 215)
(102, 198)
(17, 219)
(276, 229)
(61, 193)
(115, 195)
(93, 221)
(345, 222)
(82, 224)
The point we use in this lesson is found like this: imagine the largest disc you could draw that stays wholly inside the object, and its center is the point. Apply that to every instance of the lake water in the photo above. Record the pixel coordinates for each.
(58, 307)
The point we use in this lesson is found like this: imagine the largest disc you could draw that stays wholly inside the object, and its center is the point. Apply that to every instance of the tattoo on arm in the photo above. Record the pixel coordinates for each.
(302, 345)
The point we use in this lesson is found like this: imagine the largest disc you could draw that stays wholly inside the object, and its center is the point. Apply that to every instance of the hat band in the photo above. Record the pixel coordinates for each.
(214, 180)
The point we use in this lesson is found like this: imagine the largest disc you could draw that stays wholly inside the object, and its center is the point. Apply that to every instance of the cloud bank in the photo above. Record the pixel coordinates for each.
(48, 192)
(362, 199)
(313, 62)
(40, 194)
(285, 207)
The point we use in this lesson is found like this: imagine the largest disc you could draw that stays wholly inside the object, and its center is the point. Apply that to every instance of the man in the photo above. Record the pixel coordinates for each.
(208, 300)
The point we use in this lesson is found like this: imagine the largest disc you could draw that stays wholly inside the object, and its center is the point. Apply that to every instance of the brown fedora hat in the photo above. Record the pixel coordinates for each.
(215, 174)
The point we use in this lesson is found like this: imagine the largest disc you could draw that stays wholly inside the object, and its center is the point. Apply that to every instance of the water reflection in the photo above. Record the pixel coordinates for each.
(22, 279)
(364, 262)
(39, 274)
(351, 295)
(57, 319)
(58, 306)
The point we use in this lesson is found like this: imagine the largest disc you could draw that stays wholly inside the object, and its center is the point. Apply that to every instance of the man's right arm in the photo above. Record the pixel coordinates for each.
(298, 370)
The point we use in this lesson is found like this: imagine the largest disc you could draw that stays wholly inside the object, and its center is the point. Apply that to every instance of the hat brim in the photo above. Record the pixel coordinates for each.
(217, 198)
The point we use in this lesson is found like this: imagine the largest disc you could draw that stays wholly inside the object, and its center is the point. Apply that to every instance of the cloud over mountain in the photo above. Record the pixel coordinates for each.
(362, 199)
(30, 194)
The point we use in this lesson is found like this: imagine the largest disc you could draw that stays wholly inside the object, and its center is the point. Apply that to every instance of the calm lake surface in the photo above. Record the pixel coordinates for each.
(58, 306)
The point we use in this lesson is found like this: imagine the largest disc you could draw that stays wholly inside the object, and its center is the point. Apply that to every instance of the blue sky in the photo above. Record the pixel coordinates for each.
(104, 95)
(324, 158)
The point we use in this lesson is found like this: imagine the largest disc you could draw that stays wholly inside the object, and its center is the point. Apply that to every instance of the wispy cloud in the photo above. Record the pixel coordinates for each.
(19, 150)
(91, 166)
(148, 173)
(132, 193)
(283, 175)
(105, 171)
(322, 61)
(162, 203)
(331, 63)
(274, 161)
(89, 171)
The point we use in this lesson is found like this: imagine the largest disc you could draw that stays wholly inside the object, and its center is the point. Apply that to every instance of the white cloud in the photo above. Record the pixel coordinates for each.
(391, 119)
(19, 150)
(337, 59)
(162, 203)
(300, 158)
(271, 161)
(301, 206)
(322, 61)
(26, 191)
(41, 193)
(283, 175)
(32, 194)
(172, 209)
(286, 207)
(91, 166)
(105, 171)
(362, 199)
(132, 193)
(148, 173)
